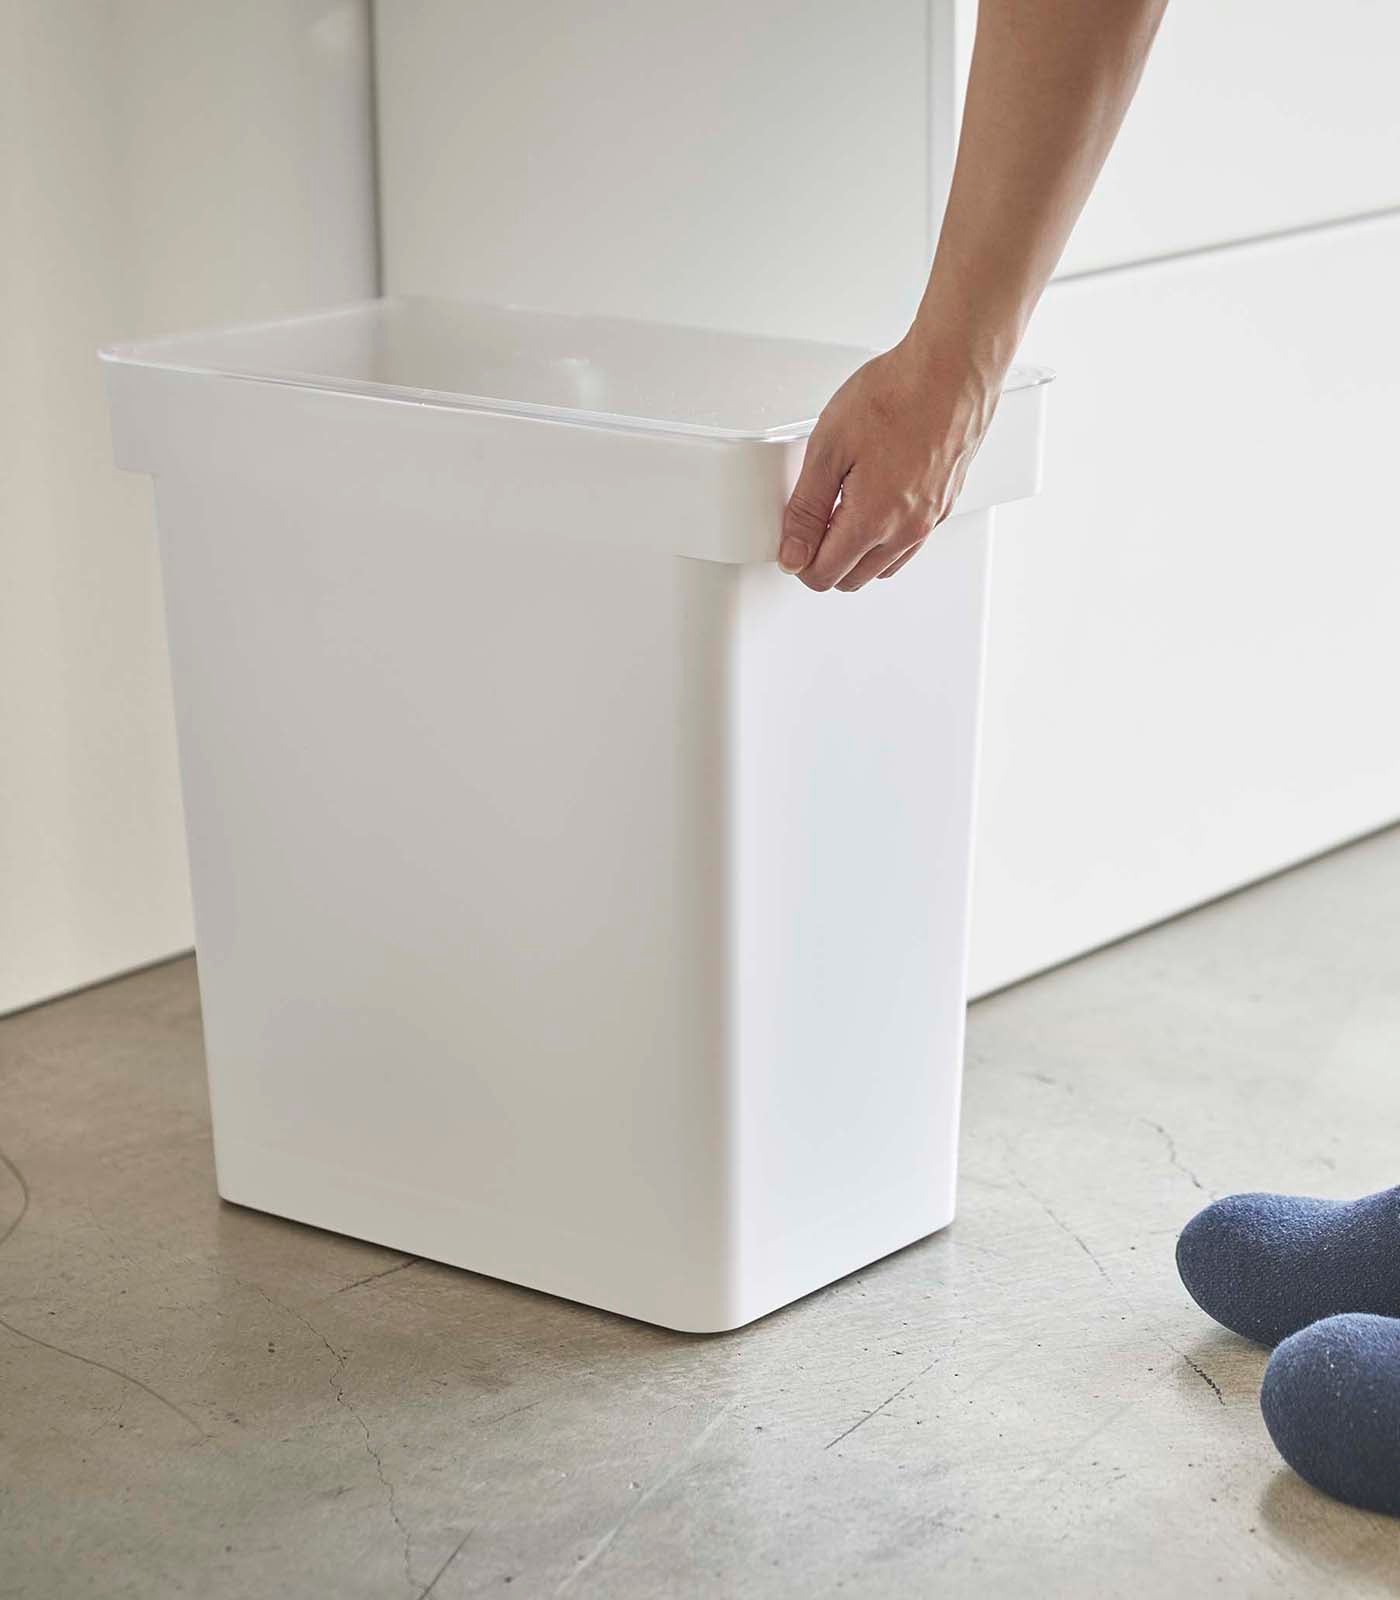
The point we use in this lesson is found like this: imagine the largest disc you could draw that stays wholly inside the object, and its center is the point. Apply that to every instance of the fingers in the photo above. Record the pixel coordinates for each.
(860, 545)
(871, 565)
(858, 540)
(908, 555)
(851, 534)
(810, 507)
(843, 546)
(881, 561)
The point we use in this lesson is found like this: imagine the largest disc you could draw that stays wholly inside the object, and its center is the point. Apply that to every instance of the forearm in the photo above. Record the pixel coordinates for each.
(1049, 86)
(1050, 83)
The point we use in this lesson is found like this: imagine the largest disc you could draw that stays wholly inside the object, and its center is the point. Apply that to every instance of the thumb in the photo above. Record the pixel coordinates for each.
(809, 508)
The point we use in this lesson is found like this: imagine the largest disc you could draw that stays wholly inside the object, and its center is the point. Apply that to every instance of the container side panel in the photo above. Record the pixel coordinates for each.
(857, 718)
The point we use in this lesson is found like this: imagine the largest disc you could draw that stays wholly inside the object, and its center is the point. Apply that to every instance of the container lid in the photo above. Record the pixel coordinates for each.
(592, 371)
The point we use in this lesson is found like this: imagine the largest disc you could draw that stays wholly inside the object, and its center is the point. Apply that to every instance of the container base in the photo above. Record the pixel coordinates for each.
(667, 1293)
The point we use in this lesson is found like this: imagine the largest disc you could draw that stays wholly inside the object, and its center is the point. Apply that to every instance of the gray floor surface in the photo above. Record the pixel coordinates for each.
(200, 1400)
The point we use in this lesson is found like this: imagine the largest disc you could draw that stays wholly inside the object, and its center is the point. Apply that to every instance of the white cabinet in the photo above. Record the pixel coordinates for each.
(1194, 652)
(1253, 117)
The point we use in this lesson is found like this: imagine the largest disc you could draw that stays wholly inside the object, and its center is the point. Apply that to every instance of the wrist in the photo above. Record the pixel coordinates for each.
(940, 357)
(975, 332)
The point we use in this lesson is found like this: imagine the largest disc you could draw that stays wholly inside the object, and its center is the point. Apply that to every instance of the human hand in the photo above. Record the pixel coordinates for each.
(884, 465)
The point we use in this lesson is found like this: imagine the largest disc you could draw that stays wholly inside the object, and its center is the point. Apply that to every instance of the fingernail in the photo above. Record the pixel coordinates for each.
(792, 555)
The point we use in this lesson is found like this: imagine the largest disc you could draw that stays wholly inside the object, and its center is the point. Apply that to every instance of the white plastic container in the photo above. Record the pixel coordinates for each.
(578, 899)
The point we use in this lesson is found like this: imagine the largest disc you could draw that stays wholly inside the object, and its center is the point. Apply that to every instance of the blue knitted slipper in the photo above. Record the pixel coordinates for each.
(1331, 1400)
(1266, 1265)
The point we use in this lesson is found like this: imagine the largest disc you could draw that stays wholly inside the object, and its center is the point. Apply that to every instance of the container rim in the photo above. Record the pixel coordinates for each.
(163, 354)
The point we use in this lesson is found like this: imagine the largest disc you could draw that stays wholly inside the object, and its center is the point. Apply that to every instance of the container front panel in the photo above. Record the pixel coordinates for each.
(456, 821)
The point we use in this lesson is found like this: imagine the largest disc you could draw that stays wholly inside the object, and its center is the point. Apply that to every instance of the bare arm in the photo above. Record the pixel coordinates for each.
(1050, 83)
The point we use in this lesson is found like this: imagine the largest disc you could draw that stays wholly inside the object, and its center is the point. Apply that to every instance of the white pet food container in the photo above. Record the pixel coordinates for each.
(579, 900)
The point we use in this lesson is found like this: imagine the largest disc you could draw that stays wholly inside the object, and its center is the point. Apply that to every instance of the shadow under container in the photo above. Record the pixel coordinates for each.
(578, 899)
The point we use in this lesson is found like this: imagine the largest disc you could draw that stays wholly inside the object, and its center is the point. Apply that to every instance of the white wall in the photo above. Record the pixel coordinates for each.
(162, 164)
(757, 166)
(1191, 639)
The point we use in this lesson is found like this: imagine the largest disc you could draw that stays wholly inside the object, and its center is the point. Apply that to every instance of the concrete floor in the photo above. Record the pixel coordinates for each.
(199, 1400)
